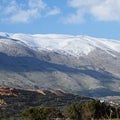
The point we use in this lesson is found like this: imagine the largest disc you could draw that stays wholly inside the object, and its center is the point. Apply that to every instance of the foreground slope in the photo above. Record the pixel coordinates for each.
(79, 64)
(13, 101)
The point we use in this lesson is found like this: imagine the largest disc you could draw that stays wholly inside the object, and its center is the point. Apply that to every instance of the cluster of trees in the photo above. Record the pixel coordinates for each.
(79, 111)
(91, 110)
(45, 113)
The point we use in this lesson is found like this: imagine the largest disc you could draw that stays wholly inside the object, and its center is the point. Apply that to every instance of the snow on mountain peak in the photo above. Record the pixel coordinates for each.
(65, 44)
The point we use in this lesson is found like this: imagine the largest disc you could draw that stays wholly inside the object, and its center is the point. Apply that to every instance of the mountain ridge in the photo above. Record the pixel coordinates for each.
(79, 64)
(73, 45)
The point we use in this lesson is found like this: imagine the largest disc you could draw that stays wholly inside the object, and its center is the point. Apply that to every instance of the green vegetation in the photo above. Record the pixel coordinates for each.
(90, 110)
(46, 113)
(51, 105)
(24, 99)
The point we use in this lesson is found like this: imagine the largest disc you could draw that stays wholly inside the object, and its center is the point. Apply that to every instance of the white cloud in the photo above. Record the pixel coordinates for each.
(24, 16)
(107, 11)
(39, 4)
(12, 7)
(19, 11)
(53, 11)
(74, 18)
(102, 10)
(85, 3)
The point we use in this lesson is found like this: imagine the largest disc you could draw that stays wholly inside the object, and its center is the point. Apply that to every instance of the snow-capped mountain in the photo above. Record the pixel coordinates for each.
(66, 44)
(80, 64)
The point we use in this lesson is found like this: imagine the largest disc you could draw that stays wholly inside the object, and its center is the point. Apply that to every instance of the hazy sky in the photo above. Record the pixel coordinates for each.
(97, 18)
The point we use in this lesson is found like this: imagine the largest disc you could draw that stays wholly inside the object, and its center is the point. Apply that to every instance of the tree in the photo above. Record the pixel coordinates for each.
(88, 110)
(80, 111)
(72, 112)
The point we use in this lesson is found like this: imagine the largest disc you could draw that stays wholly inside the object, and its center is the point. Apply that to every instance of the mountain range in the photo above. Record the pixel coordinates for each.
(78, 64)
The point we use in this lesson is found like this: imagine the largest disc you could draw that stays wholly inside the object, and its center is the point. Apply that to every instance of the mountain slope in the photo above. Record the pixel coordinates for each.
(79, 64)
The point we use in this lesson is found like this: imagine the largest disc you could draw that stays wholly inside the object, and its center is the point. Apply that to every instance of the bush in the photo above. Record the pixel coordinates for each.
(41, 114)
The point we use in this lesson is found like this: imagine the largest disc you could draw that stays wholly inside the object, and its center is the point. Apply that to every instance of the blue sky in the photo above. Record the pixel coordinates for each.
(97, 18)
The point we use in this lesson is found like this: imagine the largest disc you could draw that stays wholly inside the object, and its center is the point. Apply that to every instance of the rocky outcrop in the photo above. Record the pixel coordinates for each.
(2, 102)
(7, 91)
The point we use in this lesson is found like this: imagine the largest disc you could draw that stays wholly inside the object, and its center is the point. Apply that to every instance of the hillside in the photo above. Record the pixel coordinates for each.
(13, 101)
(78, 64)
